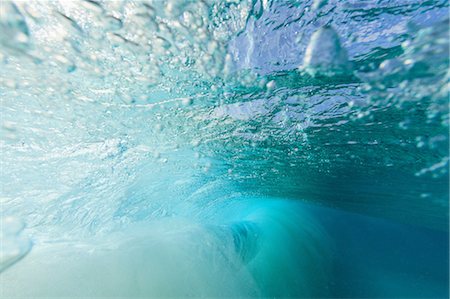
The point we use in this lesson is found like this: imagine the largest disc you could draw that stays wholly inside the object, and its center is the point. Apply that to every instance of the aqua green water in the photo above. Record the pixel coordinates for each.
(224, 149)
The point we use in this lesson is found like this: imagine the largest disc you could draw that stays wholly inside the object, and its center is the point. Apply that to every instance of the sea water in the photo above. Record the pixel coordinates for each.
(224, 148)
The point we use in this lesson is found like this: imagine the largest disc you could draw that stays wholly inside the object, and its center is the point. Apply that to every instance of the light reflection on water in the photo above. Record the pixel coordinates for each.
(119, 117)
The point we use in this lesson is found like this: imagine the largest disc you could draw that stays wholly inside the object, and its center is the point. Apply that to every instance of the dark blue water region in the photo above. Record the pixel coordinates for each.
(377, 258)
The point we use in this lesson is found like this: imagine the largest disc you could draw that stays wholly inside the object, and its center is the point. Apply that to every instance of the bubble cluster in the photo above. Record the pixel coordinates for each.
(302, 99)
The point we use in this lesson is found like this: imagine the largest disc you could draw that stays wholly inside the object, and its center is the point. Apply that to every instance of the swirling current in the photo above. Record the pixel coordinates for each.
(224, 148)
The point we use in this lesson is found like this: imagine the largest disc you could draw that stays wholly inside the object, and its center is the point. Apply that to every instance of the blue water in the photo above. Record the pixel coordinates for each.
(226, 148)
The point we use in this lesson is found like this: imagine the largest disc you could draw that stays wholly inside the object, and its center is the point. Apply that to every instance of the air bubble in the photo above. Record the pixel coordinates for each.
(324, 53)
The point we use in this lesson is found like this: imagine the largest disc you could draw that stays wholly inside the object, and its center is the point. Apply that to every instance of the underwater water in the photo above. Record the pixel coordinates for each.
(224, 148)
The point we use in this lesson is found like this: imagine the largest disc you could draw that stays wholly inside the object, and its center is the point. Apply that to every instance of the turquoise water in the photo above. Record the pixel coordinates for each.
(228, 148)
